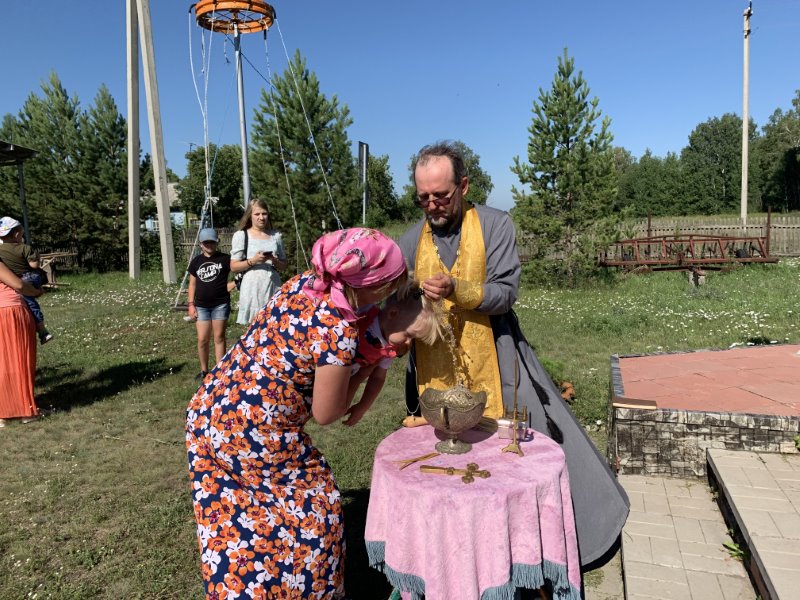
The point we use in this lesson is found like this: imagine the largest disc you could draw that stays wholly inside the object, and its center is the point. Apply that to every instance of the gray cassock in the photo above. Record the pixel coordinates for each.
(600, 503)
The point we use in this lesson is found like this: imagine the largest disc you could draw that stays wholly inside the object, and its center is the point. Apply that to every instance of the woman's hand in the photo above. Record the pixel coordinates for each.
(29, 290)
(261, 257)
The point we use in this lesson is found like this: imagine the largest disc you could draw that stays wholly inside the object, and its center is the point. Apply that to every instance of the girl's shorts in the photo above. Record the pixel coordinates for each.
(218, 313)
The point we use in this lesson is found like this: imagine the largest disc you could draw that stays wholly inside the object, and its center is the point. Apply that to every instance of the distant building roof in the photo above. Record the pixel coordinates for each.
(11, 154)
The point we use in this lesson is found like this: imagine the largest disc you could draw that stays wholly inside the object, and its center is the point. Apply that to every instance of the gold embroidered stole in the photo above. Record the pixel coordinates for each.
(476, 356)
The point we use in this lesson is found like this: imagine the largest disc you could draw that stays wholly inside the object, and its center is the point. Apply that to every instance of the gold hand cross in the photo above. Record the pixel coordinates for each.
(468, 475)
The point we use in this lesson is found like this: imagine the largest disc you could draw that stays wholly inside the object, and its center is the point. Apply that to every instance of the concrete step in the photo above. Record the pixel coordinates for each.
(672, 543)
(759, 494)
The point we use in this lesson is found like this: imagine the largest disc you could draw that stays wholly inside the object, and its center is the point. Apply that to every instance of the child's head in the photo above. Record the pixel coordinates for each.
(408, 315)
(10, 229)
(208, 239)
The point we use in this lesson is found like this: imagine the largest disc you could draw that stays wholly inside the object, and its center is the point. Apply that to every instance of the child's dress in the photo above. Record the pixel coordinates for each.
(372, 349)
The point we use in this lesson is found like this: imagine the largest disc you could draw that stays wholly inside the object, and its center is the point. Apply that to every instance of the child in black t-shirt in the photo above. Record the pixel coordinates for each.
(209, 296)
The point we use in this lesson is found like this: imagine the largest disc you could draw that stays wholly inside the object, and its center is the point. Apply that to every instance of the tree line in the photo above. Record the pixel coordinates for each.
(574, 184)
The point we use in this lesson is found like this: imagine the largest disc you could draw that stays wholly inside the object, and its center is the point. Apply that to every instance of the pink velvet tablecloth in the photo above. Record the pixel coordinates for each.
(436, 536)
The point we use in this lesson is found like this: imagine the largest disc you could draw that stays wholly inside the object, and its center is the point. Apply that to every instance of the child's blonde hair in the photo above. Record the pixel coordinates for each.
(428, 319)
(388, 288)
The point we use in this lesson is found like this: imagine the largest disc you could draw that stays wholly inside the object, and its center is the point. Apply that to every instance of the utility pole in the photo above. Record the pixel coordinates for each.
(142, 14)
(134, 229)
(363, 162)
(746, 112)
(242, 122)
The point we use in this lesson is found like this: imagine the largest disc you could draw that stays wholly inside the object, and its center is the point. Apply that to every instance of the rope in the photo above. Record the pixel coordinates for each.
(207, 211)
(283, 157)
(270, 85)
(203, 103)
(209, 163)
(308, 123)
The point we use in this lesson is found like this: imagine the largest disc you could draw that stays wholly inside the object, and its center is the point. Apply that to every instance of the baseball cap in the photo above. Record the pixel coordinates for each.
(7, 224)
(207, 234)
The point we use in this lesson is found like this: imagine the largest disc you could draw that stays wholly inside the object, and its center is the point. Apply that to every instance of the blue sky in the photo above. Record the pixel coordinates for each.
(415, 72)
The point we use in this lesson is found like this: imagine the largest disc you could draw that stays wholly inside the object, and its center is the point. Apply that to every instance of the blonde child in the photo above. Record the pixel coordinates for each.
(385, 334)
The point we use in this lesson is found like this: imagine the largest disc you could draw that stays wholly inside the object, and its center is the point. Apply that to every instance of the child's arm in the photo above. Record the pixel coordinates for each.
(374, 386)
(32, 256)
(192, 287)
(356, 380)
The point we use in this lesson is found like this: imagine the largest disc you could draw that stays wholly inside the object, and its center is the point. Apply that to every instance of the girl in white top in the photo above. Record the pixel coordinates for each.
(263, 258)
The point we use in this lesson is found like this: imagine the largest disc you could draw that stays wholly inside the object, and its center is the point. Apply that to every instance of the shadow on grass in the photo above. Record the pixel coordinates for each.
(65, 387)
(361, 581)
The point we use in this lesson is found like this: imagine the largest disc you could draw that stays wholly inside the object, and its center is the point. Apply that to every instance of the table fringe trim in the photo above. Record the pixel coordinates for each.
(376, 554)
(526, 576)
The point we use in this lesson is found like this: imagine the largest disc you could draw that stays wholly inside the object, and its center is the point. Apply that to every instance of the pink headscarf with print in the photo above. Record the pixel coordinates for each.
(358, 257)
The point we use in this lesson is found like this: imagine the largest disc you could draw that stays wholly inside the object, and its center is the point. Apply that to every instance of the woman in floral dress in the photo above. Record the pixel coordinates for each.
(269, 517)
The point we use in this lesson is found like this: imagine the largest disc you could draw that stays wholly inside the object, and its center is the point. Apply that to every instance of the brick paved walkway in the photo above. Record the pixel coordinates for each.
(672, 544)
(763, 493)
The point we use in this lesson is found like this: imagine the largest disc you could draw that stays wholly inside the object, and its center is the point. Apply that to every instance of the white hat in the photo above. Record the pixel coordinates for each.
(7, 225)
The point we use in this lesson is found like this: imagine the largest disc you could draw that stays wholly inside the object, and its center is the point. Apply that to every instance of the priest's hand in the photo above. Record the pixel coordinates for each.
(439, 286)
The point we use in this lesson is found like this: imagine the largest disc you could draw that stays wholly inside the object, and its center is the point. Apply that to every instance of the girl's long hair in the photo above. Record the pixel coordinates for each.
(246, 222)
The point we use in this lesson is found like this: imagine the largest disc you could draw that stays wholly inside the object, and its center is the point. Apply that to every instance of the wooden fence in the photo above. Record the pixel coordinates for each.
(185, 239)
(784, 230)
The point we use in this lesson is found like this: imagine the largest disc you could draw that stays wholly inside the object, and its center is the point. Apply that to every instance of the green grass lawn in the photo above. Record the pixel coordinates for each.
(94, 500)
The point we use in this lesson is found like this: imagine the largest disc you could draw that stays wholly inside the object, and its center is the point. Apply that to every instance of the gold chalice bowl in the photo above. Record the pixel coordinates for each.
(452, 411)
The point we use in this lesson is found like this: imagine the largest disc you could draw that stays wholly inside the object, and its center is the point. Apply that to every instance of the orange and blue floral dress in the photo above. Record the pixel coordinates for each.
(269, 516)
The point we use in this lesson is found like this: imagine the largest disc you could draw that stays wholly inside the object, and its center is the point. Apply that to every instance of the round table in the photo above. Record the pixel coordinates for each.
(434, 535)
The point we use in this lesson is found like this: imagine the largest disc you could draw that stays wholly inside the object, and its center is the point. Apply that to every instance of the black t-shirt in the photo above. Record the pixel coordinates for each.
(211, 273)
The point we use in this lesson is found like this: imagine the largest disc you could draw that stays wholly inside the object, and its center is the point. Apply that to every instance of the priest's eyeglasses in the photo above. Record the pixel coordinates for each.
(424, 201)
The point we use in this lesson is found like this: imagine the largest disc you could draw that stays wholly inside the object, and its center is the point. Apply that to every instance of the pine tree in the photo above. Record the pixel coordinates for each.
(51, 125)
(225, 166)
(10, 132)
(102, 205)
(313, 206)
(566, 213)
(382, 207)
(76, 186)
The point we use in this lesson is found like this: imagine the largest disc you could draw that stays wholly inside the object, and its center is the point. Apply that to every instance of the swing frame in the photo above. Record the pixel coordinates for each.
(229, 16)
